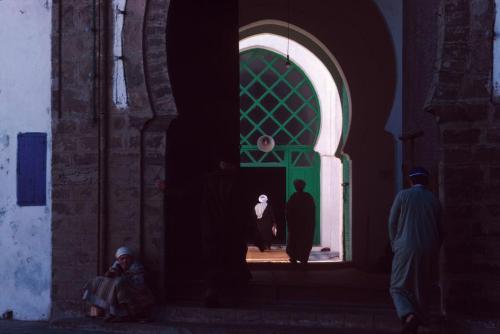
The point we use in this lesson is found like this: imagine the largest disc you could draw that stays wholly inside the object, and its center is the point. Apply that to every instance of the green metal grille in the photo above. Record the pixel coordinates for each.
(275, 100)
(279, 101)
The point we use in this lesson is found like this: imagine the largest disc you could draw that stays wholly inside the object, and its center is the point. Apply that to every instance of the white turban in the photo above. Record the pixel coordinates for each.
(260, 207)
(123, 251)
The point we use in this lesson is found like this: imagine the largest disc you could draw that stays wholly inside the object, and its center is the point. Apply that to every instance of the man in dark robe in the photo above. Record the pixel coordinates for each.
(415, 233)
(300, 218)
(224, 236)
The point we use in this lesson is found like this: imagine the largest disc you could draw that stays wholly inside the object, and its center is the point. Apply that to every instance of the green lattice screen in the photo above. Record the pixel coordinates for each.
(280, 101)
(276, 100)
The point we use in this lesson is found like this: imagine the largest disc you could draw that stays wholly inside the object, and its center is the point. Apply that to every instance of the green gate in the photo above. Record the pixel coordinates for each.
(277, 99)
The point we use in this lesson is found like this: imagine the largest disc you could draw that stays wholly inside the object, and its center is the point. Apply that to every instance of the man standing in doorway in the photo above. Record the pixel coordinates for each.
(300, 219)
(415, 234)
(224, 236)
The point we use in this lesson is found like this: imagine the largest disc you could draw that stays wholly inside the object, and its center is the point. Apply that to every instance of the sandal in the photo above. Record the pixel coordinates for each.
(410, 325)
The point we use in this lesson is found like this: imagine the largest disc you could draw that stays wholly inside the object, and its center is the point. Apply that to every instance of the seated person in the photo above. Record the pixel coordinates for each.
(122, 293)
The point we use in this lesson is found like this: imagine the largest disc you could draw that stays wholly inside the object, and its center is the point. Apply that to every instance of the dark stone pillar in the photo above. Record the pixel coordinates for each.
(469, 155)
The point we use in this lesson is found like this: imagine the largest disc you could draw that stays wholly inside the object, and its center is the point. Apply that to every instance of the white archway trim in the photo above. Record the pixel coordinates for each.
(331, 213)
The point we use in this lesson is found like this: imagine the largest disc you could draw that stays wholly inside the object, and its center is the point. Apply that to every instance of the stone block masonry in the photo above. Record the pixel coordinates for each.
(101, 168)
(469, 155)
(76, 151)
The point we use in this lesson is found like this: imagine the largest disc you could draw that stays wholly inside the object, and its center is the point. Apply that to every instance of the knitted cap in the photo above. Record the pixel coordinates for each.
(123, 251)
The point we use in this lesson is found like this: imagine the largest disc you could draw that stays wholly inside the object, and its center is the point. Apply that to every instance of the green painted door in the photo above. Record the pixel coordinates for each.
(277, 99)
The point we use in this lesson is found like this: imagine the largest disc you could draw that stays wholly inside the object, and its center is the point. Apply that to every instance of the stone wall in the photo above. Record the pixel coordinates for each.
(108, 161)
(75, 160)
(138, 140)
(469, 154)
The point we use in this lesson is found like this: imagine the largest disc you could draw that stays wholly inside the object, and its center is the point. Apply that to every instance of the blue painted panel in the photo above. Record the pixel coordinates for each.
(31, 168)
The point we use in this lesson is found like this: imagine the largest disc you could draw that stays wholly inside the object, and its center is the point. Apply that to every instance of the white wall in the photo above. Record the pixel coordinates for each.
(496, 54)
(120, 98)
(25, 106)
(392, 11)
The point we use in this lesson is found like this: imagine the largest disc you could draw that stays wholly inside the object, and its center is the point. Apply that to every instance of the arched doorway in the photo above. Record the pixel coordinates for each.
(310, 131)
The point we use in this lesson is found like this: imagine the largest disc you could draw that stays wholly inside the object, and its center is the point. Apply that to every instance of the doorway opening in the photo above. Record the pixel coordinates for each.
(296, 101)
(270, 182)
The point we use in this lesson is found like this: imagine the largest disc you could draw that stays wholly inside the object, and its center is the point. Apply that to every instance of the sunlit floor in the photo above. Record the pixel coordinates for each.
(277, 254)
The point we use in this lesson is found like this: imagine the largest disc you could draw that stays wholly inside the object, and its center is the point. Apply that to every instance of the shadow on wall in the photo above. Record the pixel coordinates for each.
(203, 67)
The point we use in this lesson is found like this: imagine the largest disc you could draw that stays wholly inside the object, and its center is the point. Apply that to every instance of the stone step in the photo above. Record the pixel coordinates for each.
(264, 293)
(343, 300)
(339, 285)
(347, 319)
(453, 325)
(293, 316)
(182, 329)
(98, 327)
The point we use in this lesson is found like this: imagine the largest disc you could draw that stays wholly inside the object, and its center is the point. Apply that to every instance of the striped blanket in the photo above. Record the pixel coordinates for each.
(119, 296)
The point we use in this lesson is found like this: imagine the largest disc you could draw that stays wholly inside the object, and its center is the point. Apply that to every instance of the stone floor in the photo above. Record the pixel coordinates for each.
(277, 254)
(31, 327)
(282, 320)
(279, 318)
(84, 326)
(310, 299)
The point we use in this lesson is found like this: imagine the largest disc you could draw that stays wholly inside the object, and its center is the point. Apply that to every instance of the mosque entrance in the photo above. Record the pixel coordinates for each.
(288, 93)
(278, 100)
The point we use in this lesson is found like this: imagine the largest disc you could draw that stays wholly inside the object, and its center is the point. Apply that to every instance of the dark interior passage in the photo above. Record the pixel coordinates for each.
(271, 182)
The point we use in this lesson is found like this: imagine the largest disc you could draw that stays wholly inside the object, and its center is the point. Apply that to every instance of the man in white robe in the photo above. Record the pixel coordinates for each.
(415, 234)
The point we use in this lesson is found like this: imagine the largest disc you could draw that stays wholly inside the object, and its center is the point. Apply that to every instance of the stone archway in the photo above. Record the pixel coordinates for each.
(371, 73)
(329, 142)
(154, 140)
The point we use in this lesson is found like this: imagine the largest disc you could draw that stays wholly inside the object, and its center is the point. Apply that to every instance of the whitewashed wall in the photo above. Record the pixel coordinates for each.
(496, 54)
(25, 106)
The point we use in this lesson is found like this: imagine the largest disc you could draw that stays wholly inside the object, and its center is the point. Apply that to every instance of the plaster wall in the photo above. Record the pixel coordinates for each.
(392, 11)
(119, 84)
(25, 106)
(496, 54)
